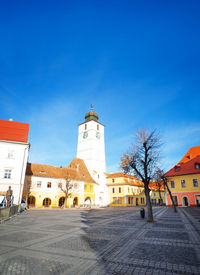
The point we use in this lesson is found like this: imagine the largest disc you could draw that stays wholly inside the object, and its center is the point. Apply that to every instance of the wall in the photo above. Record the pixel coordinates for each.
(189, 191)
(13, 155)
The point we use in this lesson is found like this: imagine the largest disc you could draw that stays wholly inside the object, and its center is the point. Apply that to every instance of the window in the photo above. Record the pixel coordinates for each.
(48, 184)
(113, 190)
(85, 126)
(97, 127)
(195, 182)
(91, 187)
(10, 154)
(142, 200)
(130, 200)
(172, 184)
(7, 173)
(128, 190)
(154, 194)
(197, 165)
(39, 184)
(183, 183)
(120, 190)
(119, 200)
(132, 190)
(60, 185)
(114, 200)
(176, 168)
(85, 186)
(113, 180)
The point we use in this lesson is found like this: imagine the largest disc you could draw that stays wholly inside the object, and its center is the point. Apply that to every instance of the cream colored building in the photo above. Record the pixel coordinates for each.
(44, 184)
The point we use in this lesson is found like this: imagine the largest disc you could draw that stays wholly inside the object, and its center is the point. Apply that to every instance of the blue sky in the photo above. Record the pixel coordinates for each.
(138, 62)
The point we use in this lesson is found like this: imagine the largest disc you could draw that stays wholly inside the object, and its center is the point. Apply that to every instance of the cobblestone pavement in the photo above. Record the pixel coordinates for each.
(101, 242)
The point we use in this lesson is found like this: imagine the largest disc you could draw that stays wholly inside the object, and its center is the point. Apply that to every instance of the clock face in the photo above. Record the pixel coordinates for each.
(85, 134)
(98, 135)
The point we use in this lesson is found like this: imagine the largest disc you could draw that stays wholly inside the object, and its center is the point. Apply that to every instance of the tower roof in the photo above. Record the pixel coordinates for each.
(91, 115)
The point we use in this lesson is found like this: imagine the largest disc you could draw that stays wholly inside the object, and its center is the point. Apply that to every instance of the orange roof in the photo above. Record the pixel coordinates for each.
(76, 170)
(189, 167)
(193, 152)
(14, 131)
(120, 175)
(154, 185)
(128, 179)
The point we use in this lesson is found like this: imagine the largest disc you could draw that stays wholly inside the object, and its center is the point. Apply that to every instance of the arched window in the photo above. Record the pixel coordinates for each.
(46, 202)
(31, 201)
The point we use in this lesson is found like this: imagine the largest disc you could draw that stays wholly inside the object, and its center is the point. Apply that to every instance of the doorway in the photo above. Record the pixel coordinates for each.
(61, 201)
(31, 201)
(46, 202)
(75, 202)
(185, 201)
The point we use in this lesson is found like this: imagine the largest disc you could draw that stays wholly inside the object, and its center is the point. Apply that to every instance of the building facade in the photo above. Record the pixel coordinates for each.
(157, 193)
(14, 149)
(91, 148)
(45, 185)
(184, 180)
(125, 190)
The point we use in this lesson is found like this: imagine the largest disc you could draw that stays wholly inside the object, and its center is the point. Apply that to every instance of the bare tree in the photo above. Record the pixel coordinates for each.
(67, 189)
(159, 175)
(142, 160)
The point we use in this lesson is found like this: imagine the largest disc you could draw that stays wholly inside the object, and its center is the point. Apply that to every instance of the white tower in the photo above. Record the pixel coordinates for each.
(91, 149)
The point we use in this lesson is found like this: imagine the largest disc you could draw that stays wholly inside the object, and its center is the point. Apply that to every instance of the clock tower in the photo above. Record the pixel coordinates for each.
(91, 148)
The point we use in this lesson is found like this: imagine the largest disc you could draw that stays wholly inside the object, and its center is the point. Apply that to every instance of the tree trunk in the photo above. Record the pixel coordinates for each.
(170, 194)
(160, 196)
(149, 206)
(65, 202)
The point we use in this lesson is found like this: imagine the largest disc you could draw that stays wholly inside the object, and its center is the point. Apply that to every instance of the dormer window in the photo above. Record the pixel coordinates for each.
(177, 168)
(113, 180)
(42, 172)
(197, 165)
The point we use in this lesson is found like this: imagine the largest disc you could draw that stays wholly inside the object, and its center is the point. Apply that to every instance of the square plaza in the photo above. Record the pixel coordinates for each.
(106, 241)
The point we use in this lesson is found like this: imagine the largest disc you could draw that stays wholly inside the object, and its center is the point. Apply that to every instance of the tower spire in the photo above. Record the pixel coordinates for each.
(91, 107)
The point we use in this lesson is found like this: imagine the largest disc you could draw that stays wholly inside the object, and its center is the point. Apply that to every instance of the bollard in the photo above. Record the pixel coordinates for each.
(142, 213)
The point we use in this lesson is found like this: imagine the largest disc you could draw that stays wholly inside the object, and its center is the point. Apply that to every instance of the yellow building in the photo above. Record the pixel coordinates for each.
(125, 190)
(45, 185)
(156, 198)
(184, 179)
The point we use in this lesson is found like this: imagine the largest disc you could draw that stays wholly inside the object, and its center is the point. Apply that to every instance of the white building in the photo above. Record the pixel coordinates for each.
(44, 185)
(91, 148)
(14, 148)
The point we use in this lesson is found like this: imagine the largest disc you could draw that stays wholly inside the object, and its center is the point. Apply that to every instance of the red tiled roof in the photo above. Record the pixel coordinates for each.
(193, 152)
(76, 170)
(14, 131)
(188, 167)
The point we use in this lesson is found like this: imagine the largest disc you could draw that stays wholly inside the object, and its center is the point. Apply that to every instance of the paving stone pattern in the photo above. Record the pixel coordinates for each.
(110, 241)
